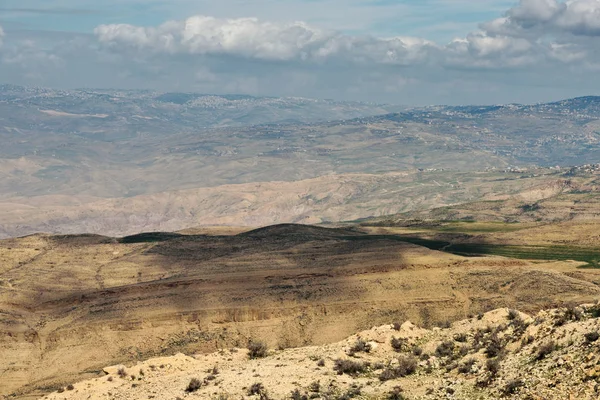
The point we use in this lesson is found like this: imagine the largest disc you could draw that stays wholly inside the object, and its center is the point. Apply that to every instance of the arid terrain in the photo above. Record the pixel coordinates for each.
(499, 354)
(155, 232)
(73, 304)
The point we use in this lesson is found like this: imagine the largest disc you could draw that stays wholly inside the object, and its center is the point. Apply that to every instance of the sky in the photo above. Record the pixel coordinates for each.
(412, 52)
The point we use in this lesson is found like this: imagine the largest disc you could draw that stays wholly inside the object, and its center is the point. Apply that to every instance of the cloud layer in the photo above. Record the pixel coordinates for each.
(534, 31)
(547, 44)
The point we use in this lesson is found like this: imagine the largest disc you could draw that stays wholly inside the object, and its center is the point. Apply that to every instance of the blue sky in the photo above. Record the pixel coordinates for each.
(398, 51)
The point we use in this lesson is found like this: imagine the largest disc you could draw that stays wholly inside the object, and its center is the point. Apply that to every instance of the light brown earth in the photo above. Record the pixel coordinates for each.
(70, 305)
(329, 198)
(506, 338)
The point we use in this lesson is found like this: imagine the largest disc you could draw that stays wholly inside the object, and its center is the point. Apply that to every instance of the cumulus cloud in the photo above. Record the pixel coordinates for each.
(251, 38)
(544, 17)
(518, 39)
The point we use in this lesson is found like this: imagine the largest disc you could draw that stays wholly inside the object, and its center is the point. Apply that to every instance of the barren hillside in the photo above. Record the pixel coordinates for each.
(71, 305)
(500, 354)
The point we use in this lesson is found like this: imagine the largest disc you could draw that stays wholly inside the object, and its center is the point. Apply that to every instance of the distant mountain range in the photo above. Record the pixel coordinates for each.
(72, 147)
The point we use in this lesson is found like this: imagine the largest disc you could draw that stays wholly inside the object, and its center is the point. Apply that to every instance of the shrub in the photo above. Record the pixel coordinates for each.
(296, 395)
(194, 385)
(493, 366)
(460, 337)
(591, 337)
(349, 367)
(399, 344)
(512, 387)
(257, 349)
(121, 372)
(494, 346)
(321, 363)
(256, 389)
(544, 350)
(315, 387)
(60, 390)
(387, 375)
(445, 349)
(407, 365)
(397, 326)
(360, 346)
(417, 351)
(350, 394)
(527, 340)
(519, 326)
(70, 387)
(465, 367)
(513, 314)
(396, 394)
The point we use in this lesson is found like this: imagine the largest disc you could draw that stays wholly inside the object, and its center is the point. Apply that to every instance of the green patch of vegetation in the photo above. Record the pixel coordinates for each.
(589, 255)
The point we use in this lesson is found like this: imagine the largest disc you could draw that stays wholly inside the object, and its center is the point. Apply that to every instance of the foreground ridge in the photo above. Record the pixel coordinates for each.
(502, 353)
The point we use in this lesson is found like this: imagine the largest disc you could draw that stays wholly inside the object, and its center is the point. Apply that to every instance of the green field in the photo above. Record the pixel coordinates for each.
(589, 255)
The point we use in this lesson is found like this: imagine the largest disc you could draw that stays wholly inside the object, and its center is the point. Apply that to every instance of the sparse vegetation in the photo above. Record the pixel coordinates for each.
(297, 395)
(466, 366)
(544, 350)
(122, 373)
(359, 346)
(399, 344)
(591, 337)
(193, 385)
(445, 349)
(512, 387)
(257, 349)
(350, 367)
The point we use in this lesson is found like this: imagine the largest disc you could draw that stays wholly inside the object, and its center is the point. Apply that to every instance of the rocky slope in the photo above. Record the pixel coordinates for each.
(70, 305)
(500, 354)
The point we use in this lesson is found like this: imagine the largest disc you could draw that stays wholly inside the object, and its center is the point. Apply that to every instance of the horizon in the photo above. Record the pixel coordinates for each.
(84, 89)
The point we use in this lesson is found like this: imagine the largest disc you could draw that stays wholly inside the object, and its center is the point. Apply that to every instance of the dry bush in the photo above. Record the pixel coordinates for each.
(315, 387)
(257, 349)
(544, 350)
(460, 337)
(321, 363)
(396, 394)
(493, 366)
(359, 346)
(417, 351)
(387, 375)
(407, 365)
(591, 337)
(121, 372)
(494, 347)
(399, 344)
(257, 389)
(513, 314)
(296, 395)
(70, 387)
(445, 349)
(349, 367)
(465, 367)
(396, 326)
(194, 385)
(512, 387)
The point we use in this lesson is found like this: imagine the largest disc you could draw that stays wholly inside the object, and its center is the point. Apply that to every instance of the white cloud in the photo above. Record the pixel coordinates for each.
(538, 47)
(251, 38)
(532, 32)
(549, 17)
